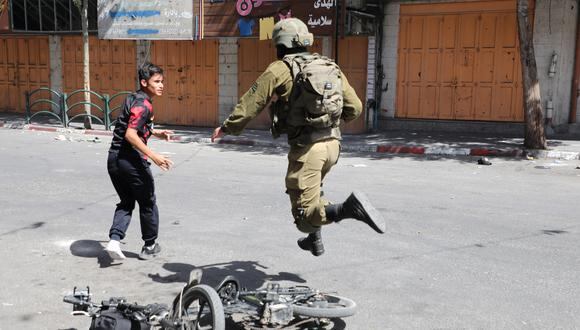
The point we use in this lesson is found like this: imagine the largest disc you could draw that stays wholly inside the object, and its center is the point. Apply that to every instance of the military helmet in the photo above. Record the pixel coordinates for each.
(292, 32)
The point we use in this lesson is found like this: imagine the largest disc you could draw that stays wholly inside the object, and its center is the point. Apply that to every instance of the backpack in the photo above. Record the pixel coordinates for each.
(316, 98)
(113, 319)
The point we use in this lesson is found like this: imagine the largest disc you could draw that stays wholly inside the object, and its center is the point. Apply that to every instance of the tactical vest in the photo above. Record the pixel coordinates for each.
(312, 112)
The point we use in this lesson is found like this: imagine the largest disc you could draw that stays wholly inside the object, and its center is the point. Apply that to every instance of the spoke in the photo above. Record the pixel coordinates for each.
(186, 319)
(202, 304)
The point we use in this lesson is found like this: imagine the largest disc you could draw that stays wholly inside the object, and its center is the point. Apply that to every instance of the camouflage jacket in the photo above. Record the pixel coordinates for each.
(277, 79)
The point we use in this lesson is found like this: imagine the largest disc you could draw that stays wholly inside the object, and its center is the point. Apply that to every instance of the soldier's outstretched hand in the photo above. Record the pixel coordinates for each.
(217, 133)
(163, 134)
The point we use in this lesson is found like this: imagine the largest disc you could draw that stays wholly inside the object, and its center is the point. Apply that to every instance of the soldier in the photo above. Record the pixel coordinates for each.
(310, 96)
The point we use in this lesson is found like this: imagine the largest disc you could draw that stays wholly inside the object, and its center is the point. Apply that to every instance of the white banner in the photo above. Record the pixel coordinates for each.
(146, 19)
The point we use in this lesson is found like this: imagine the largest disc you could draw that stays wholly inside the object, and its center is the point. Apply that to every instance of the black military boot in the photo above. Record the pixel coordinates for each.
(357, 206)
(312, 243)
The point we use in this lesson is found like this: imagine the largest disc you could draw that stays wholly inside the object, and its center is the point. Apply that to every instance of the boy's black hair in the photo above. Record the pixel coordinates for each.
(147, 70)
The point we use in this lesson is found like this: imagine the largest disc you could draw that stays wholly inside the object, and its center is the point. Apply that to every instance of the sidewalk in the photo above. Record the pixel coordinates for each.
(390, 142)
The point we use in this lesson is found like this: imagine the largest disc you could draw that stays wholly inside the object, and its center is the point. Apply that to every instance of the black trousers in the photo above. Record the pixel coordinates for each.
(133, 182)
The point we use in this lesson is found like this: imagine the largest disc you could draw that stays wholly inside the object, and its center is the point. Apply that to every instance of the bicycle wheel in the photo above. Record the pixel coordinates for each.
(201, 309)
(228, 290)
(325, 305)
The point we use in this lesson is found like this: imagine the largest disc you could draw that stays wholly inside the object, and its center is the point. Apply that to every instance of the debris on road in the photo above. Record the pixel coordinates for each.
(483, 161)
(543, 167)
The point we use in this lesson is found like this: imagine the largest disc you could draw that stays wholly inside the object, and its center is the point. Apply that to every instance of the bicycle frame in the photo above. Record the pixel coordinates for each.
(205, 307)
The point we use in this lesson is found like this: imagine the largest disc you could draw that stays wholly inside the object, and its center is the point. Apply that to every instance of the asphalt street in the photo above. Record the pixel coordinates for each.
(467, 246)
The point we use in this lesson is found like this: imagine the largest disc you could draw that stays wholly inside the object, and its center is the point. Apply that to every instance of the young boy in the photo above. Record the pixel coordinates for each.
(128, 165)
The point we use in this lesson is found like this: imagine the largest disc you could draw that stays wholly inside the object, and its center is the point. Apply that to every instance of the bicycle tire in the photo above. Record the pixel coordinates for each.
(205, 295)
(228, 290)
(329, 306)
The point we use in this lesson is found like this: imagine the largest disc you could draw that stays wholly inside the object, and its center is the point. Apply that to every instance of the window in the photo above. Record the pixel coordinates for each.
(50, 15)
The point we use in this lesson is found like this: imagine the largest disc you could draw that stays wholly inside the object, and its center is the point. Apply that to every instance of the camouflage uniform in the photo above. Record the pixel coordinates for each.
(312, 152)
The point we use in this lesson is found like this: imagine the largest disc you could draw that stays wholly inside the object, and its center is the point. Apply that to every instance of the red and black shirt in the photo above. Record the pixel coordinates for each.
(137, 113)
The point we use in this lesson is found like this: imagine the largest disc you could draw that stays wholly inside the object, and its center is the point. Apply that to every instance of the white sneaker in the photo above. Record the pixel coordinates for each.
(113, 248)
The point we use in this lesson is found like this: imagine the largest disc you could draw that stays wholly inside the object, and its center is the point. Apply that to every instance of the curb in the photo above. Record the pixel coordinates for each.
(351, 147)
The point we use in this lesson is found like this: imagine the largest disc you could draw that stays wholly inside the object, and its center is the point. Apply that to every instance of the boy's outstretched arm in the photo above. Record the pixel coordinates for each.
(163, 162)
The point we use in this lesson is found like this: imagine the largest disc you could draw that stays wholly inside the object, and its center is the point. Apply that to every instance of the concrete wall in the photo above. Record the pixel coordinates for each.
(143, 55)
(228, 76)
(327, 46)
(389, 59)
(555, 31)
(143, 52)
(371, 74)
(55, 49)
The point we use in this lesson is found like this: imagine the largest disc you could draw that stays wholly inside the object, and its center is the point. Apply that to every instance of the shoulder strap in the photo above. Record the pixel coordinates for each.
(293, 62)
(297, 61)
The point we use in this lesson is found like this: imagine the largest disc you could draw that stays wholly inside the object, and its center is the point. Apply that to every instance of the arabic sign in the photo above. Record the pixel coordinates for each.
(242, 18)
(146, 19)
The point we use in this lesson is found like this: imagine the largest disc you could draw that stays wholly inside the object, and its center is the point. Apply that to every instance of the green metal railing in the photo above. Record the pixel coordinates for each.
(60, 114)
(104, 121)
(110, 111)
(60, 109)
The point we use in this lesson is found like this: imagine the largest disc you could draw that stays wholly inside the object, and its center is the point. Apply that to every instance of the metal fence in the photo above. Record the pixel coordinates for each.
(59, 106)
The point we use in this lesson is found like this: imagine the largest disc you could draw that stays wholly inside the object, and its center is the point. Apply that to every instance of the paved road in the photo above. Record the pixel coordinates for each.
(492, 247)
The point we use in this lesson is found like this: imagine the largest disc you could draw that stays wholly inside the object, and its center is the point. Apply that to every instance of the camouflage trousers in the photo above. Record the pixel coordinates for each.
(307, 167)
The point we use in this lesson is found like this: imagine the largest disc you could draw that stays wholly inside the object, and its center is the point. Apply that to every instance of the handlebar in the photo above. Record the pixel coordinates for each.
(132, 307)
(152, 314)
(76, 301)
(72, 300)
(118, 303)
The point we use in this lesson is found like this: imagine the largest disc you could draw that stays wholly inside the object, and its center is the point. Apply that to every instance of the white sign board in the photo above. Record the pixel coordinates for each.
(146, 19)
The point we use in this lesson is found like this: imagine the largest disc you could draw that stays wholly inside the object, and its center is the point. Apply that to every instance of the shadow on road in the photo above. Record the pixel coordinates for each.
(35, 225)
(251, 274)
(554, 232)
(86, 248)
